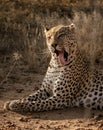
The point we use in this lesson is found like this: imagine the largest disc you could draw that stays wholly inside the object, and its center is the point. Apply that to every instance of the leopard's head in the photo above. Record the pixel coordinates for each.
(61, 42)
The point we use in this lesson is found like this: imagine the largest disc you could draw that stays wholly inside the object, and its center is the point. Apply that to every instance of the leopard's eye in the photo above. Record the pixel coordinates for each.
(49, 37)
(61, 35)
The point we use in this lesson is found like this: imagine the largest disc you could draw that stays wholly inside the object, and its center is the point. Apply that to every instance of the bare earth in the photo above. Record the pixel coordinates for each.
(67, 119)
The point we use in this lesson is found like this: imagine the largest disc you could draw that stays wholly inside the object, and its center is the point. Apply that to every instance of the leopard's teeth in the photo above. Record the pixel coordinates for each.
(65, 59)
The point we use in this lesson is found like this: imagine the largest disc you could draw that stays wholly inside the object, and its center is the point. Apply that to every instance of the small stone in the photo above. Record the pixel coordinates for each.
(23, 119)
(19, 90)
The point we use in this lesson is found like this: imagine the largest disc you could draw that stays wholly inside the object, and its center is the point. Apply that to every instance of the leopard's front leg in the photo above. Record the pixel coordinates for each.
(42, 94)
(54, 102)
(39, 95)
(60, 98)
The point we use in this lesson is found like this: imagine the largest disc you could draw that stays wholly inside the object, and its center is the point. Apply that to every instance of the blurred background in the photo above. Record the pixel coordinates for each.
(22, 40)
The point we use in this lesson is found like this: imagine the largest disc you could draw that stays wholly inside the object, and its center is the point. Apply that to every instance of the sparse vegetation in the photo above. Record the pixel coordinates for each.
(90, 34)
(22, 23)
(24, 53)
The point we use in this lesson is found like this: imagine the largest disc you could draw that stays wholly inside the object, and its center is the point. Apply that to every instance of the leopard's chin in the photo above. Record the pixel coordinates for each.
(62, 56)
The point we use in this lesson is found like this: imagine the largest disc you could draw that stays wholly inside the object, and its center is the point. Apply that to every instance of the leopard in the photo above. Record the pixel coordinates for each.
(69, 80)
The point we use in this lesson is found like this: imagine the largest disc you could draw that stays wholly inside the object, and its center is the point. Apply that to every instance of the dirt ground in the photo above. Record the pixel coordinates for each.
(24, 83)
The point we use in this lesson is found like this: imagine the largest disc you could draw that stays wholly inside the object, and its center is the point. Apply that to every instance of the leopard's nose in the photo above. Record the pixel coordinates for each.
(54, 45)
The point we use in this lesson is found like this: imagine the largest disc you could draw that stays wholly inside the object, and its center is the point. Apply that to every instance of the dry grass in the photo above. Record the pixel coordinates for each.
(90, 34)
(22, 22)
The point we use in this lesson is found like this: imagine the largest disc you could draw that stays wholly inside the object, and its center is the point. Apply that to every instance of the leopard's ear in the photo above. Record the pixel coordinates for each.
(46, 29)
(72, 26)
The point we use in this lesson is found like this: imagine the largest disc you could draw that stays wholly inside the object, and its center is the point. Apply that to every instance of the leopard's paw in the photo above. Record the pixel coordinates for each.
(11, 105)
(6, 105)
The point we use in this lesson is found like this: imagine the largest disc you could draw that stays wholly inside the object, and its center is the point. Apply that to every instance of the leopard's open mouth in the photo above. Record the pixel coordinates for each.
(62, 56)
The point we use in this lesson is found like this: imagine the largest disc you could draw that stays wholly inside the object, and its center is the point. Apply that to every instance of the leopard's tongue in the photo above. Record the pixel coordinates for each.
(61, 58)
